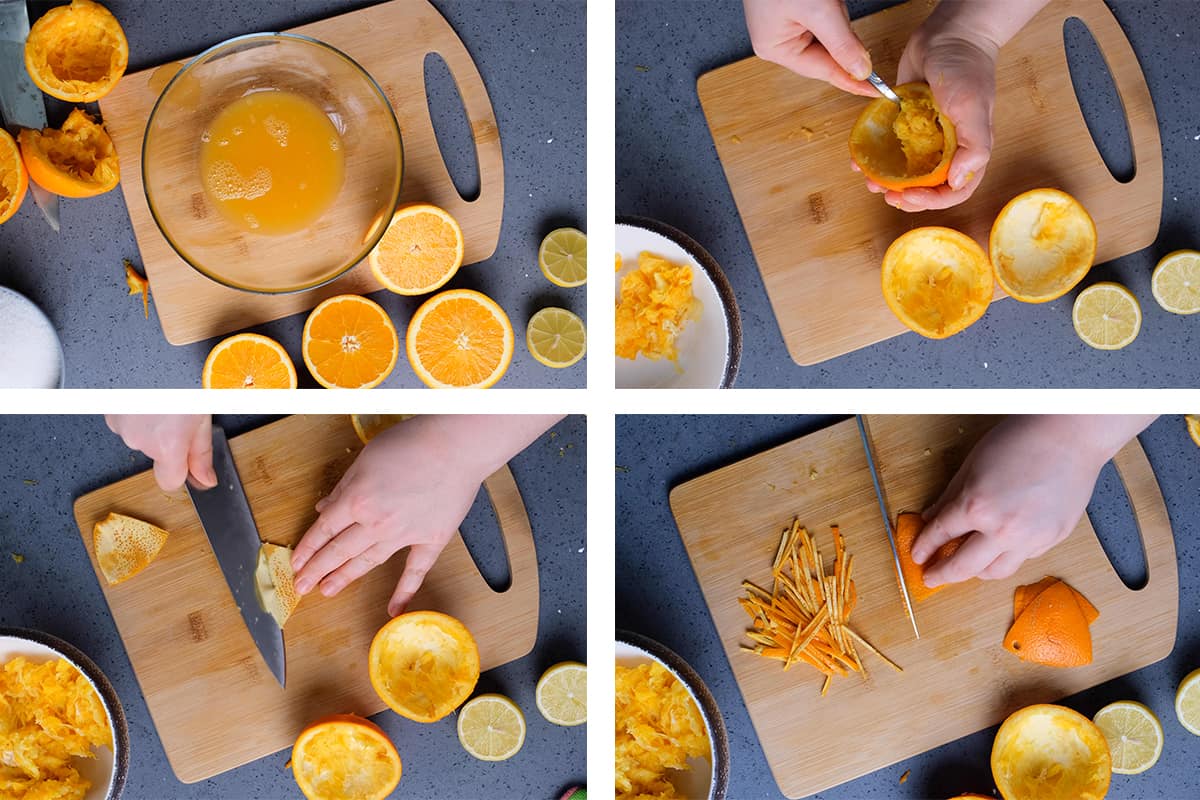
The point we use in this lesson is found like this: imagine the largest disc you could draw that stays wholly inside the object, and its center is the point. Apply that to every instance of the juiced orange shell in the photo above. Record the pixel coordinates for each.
(937, 281)
(896, 146)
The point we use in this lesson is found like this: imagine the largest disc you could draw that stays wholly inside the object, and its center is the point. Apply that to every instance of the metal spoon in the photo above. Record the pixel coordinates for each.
(883, 88)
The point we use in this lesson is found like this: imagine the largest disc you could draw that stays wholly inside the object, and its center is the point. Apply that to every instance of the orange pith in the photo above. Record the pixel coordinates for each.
(14, 178)
(344, 756)
(908, 527)
(77, 52)
(249, 361)
(78, 160)
(423, 664)
(937, 281)
(1048, 752)
(907, 146)
(350, 343)
(1042, 244)
(460, 338)
(420, 251)
(1052, 630)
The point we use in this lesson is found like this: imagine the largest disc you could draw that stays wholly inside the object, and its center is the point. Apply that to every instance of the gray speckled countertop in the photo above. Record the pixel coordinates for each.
(663, 142)
(531, 57)
(52, 460)
(658, 597)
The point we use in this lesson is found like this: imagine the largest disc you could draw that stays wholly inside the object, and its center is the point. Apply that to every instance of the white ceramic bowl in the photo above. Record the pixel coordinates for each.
(31, 355)
(705, 779)
(710, 347)
(108, 770)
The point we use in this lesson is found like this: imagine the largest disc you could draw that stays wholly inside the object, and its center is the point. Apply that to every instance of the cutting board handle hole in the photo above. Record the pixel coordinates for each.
(451, 127)
(1098, 99)
(485, 544)
(1117, 528)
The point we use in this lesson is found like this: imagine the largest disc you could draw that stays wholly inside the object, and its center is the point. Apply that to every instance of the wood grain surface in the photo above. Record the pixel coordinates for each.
(214, 702)
(819, 235)
(957, 677)
(390, 41)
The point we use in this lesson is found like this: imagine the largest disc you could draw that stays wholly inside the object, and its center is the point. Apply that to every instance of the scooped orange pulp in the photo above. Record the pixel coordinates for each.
(906, 146)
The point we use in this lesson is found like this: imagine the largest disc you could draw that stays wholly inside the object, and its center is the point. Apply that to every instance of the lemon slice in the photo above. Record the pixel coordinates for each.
(368, 426)
(1107, 316)
(1193, 427)
(1134, 734)
(1187, 702)
(491, 727)
(562, 693)
(556, 337)
(563, 257)
(1176, 282)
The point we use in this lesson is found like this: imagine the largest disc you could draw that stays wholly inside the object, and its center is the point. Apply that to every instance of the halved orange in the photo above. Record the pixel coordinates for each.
(937, 281)
(460, 338)
(125, 546)
(1049, 752)
(350, 343)
(906, 146)
(1042, 244)
(423, 664)
(248, 361)
(345, 757)
(77, 52)
(421, 249)
(78, 160)
(14, 178)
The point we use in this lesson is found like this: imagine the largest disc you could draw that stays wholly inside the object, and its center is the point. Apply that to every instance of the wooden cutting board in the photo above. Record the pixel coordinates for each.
(390, 41)
(819, 236)
(957, 677)
(204, 680)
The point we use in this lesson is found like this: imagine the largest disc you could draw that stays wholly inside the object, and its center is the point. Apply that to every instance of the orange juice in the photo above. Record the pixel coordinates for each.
(272, 162)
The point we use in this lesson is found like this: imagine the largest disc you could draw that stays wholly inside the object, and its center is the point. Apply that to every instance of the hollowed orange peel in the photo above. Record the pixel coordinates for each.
(906, 146)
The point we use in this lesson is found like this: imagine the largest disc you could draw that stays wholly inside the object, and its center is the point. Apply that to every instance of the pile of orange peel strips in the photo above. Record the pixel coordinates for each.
(805, 617)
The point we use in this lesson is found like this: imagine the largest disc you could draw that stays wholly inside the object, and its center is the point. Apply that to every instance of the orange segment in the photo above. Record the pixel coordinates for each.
(1023, 596)
(937, 281)
(77, 52)
(345, 757)
(908, 527)
(421, 250)
(460, 338)
(248, 361)
(125, 546)
(1047, 752)
(350, 343)
(901, 147)
(1052, 630)
(78, 160)
(14, 178)
(423, 664)
(1042, 244)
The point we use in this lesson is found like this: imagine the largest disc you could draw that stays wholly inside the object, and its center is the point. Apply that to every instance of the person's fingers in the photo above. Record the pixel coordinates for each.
(830, 23)
(200, 455)
(171, 471)
(341, 548)
(950, 523)
(355, 568)
(932, 198)
(330, 522)
(813, 61)
(420, 560)
(1003, 566)
(967, 562)
(971, 112)
(329, 499)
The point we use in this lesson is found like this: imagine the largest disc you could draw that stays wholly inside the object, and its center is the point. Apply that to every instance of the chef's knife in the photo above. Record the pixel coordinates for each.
(887, 521)
(21, 104)
(225, 515)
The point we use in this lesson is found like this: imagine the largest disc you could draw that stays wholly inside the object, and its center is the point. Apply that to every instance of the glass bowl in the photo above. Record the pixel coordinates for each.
(236, 256)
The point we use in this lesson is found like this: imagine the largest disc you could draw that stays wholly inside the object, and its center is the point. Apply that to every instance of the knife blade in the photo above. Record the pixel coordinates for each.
(21, 104)
(887, 520)
(225, 514)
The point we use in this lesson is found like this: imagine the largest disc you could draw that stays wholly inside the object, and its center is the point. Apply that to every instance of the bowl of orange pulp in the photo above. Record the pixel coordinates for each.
(269, 161)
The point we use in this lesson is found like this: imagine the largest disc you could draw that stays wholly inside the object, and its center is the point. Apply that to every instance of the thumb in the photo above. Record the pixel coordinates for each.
(200, 455)
(948, 524)
(971, 113)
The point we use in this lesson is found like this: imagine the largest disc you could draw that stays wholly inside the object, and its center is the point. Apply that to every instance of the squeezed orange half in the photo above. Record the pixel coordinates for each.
(272, 162)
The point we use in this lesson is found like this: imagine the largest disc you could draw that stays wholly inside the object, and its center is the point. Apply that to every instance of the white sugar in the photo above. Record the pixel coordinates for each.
(30, 355)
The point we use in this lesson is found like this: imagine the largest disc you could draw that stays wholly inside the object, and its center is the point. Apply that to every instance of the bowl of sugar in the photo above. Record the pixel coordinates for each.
(31, 356)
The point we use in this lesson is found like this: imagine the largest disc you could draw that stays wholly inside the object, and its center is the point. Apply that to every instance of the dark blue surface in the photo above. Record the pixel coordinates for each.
(531, 57)
(667, 168)
(657, 595)
(52, 460)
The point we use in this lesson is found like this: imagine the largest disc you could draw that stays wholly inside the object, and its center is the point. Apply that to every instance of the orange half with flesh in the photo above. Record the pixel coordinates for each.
(1048, 752)
(906, 146)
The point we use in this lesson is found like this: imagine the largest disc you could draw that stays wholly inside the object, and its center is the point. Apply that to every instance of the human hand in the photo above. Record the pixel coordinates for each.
(960, 68)
(405, 489)
(179, 444)
(1022, 490)
(811, 38)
